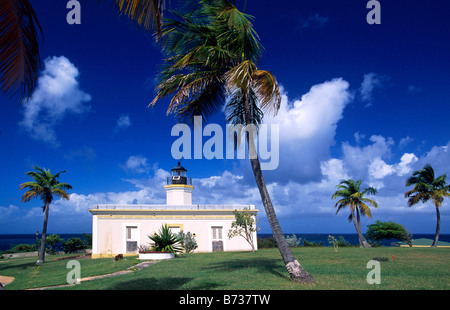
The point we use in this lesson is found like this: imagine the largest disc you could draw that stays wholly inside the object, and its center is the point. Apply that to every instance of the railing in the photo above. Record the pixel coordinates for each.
(179, 180)
(169, 207)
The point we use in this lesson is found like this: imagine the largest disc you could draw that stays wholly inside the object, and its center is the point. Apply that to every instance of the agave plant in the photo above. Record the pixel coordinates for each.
(166, 241)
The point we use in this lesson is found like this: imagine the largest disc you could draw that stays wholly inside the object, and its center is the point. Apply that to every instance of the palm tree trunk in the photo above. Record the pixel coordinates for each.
(41, 258)
(438, 228)
(295, 270)
(362, 241)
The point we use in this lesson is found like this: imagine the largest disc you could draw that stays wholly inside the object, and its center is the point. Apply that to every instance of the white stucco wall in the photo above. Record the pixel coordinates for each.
(109, 232)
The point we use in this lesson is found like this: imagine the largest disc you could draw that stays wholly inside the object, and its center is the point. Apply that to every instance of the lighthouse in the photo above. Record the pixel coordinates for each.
(179, 187)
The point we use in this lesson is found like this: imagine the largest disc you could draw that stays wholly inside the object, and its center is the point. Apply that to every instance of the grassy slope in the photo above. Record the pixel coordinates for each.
(414, 268)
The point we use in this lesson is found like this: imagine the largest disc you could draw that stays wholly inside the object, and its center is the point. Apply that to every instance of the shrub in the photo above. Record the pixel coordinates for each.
(188, 242)
(293, 241)
(265, 243)
(308, 243)
(22, 248)
(74, 244)
(342, 242)
(51, 242)
(166, 241)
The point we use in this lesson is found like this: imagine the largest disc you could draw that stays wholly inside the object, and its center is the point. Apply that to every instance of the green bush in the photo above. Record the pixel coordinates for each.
(22, 248)
(313, 244)
(266, 243)
(188, 242)
(51, 242)
(166, 241)
(341, 242)
(73, 244)
(293, 241)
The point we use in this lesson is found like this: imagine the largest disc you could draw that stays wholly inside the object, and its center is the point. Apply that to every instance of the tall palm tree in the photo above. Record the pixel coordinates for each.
(20, 33)
(212, 53)
(45, 186)
(351, 196)
(427, 187)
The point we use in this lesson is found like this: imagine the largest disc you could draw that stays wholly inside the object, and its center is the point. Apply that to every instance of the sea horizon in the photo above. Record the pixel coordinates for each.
(7, 241)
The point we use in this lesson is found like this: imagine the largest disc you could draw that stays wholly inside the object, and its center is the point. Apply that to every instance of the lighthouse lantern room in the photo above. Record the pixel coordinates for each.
(179, 187)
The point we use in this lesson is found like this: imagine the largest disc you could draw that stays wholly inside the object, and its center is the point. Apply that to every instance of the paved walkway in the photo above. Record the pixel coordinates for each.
(118, 273)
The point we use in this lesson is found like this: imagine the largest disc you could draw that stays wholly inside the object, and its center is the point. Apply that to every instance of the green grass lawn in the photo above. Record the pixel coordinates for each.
(413, 269)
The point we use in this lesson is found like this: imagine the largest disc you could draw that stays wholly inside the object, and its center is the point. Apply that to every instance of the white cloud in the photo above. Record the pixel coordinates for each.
(378, 169)
(137, 164)
(6, 211)
(358, 159)
(307, 128)
(404, 166)
(123, 122)
(57, 94)
(371, 81)
(293, 200)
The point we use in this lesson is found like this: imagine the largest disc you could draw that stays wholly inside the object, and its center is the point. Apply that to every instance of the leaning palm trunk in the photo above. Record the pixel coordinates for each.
(362, 241)
(296, 271)
(438, 228)
(41, 257)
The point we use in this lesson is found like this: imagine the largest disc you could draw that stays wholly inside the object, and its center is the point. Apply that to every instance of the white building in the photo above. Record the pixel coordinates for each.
(121, 229)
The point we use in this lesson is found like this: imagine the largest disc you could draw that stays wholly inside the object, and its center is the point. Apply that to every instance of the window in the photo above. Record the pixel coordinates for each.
(216, 233)
(131, 239)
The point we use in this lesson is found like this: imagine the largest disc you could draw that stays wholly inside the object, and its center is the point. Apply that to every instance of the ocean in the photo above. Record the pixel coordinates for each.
(8, 241)
(353, 238)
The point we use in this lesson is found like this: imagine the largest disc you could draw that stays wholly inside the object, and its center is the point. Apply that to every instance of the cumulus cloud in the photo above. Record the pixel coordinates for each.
(358, 158)
(296, 201)
(123, 122)
(371, 81)
(137, 164)
(57, 94)
(307, 128)
(6, 211)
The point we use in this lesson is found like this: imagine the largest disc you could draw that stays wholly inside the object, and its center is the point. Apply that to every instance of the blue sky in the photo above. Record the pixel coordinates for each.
(359, 101)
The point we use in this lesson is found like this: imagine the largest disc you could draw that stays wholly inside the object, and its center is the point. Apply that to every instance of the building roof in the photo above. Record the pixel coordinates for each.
(168, 210)
(178, 167)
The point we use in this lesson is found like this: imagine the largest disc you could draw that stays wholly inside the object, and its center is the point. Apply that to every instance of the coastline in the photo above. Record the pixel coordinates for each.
(9, 240)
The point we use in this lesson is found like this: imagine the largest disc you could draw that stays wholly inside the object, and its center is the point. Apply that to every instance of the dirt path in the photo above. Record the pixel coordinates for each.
(4, 280)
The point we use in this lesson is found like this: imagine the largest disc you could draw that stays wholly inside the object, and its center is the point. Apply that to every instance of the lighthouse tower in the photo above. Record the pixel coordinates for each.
(179, 187)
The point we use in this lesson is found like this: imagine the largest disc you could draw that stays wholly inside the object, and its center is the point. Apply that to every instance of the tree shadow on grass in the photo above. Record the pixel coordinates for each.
(19, 265)
(262, 265)
(152, 284)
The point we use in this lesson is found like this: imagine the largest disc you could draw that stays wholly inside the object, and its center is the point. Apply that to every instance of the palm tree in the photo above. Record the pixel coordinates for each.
(352, 197)
(211, 62)
(20, 36)
(427, 187)
(44, 186)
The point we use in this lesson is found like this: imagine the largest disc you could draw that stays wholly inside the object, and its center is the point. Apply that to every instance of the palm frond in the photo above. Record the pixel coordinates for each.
(19, 48)
(146, 13)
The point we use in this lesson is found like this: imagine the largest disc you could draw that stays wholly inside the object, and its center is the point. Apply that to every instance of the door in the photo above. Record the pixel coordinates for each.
(132, 235)
(217, 241)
